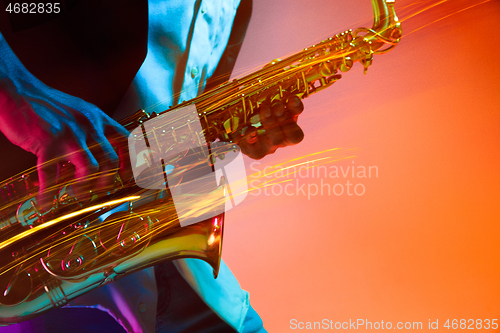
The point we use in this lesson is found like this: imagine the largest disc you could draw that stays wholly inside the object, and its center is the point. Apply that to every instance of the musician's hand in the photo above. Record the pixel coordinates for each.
(57, 127)
(279, 122)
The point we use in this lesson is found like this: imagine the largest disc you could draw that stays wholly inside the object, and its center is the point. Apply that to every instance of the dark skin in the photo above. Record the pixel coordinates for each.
(279, 121)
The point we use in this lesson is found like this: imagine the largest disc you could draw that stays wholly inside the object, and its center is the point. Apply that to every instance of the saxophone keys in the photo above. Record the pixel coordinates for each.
(16, 286)
(67, 196)
(28, 213)
(131, 235)
(366, 63)
(334, 78)
(346, 64)
(72, 255)
(227, 126)
(231, 125)
(327, 69)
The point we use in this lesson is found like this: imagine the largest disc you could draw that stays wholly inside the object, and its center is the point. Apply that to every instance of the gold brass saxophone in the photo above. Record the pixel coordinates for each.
(50, 257)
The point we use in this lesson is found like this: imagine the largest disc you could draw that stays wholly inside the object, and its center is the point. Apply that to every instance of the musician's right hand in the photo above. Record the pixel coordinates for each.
(57, 127)
(279, 122)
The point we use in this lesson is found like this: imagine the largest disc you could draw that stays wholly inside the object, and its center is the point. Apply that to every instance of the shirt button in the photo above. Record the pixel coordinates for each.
(142, 307)
(194, 72)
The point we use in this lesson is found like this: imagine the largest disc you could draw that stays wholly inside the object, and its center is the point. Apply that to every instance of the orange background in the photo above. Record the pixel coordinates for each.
(423, 241)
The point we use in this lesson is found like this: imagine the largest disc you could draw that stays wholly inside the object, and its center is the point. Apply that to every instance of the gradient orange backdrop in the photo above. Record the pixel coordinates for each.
(422, 242)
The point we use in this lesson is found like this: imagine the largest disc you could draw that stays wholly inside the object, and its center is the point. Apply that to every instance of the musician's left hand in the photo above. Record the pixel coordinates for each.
(279, 122)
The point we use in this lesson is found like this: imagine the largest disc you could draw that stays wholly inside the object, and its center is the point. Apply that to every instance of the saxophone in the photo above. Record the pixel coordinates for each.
(50, 257)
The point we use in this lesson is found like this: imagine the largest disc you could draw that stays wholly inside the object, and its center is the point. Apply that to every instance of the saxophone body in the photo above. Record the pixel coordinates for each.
(50, 257)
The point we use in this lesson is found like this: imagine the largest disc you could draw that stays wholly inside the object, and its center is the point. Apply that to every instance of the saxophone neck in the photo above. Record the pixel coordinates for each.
(385, 21)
